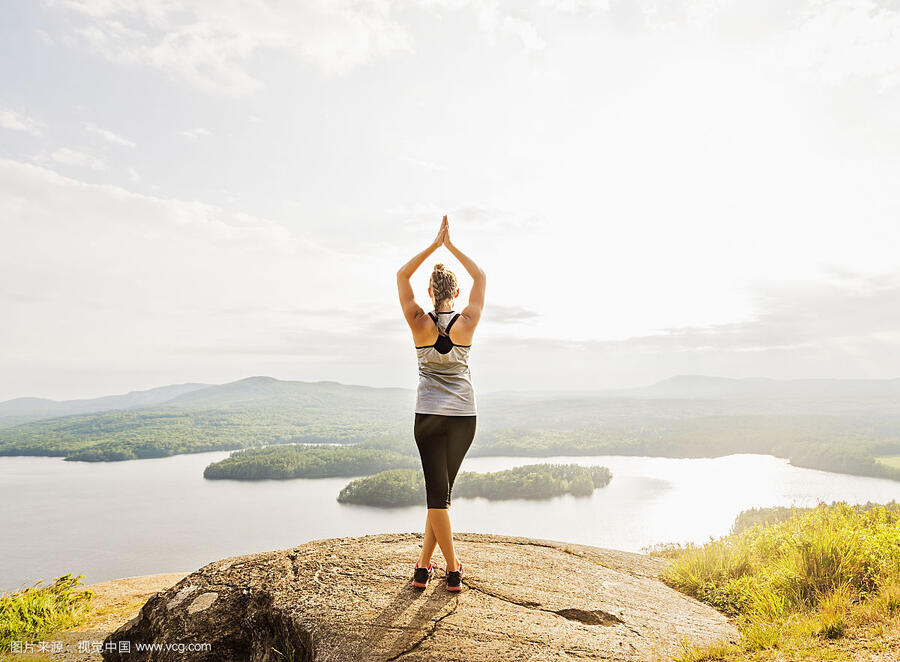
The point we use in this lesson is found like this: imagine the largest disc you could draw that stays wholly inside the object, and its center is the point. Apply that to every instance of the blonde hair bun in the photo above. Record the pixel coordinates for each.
(443, 284)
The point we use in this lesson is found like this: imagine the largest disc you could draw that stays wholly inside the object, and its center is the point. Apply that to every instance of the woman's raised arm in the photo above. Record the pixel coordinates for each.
(476, 296)
(412, 310)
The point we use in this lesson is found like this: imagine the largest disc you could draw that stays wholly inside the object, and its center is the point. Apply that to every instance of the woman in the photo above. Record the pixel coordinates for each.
(445, 400)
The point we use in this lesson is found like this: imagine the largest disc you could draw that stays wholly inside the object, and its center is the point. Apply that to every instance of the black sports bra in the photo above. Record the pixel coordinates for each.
(443, 344)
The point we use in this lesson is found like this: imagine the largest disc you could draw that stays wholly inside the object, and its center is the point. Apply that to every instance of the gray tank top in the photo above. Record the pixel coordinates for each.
(445, 383)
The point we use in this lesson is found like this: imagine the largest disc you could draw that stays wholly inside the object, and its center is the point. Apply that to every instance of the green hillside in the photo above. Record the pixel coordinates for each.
(890, 460)
(24, 410)
(251, 412)
(821, 428)
(127, 435)
(829, 443)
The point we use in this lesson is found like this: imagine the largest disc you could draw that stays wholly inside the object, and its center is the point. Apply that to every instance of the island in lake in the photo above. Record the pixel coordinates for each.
(406, 487)
(301, 461)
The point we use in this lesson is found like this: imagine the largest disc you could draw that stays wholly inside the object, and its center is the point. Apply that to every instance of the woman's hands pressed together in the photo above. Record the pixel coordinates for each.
(442, 239)
(447, 241)
(442, 235)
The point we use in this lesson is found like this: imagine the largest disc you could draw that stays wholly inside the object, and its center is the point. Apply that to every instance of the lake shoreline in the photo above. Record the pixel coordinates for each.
(883, 467)
(144, 517)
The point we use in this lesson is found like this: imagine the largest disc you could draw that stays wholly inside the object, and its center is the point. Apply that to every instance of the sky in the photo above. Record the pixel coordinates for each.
(201, 191)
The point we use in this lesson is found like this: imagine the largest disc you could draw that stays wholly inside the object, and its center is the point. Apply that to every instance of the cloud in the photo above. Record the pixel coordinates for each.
(10, 119)
(493, 22)
(580, 7)
(104, 279)
(833, 40)
(143, 282)
(195, 134)
(813, 331)
(424, 165)
(211, 43)
(109, 136)
(838, 40)
(424, 216)
(70, 157)
(208, 43)
(855, 311)
(330, 312)
(588, 194)
(38, 192)
(501, 314)
(133, 273)
(840, 272)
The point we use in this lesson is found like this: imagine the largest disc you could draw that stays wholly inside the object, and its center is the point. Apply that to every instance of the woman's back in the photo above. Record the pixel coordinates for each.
(445, 381)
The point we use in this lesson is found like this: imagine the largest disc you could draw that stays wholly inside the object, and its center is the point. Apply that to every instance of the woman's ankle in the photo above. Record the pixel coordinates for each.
(453, 567)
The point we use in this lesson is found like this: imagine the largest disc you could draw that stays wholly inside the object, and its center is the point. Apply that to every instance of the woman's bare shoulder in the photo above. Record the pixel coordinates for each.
(463, 330)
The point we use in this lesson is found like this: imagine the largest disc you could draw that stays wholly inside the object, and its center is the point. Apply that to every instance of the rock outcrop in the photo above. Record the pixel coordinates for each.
(346, 599)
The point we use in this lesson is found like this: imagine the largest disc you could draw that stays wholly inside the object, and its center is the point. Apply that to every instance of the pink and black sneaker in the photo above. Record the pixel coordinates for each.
(454, 578)
(422, 575)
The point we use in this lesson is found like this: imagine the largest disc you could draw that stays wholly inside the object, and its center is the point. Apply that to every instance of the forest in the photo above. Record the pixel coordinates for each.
(406, 487)
(300, 461)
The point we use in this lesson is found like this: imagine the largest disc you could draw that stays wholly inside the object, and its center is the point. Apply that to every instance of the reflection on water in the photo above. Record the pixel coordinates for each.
(107, 520)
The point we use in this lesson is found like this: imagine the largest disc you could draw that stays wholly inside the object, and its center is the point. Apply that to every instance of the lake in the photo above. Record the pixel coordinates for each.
(120, 519)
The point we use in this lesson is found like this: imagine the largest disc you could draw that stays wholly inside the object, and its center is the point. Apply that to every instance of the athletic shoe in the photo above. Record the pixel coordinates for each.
(422, 575)
(454, 578)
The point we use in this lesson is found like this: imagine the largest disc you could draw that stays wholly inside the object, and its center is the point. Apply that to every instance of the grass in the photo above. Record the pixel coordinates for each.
(287, 655)
(822, 584)
(38, 611)
(890, 460)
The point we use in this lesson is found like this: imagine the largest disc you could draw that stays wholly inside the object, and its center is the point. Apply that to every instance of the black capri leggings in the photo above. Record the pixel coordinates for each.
(443, 442)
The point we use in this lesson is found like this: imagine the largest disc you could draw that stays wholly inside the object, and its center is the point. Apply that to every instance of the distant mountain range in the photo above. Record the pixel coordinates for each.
(23, 410)
(271, 392)
(833, 424)
(245, 393)
(262, 391)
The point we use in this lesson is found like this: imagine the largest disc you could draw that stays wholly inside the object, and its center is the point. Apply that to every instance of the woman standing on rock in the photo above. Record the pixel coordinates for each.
(445, 400)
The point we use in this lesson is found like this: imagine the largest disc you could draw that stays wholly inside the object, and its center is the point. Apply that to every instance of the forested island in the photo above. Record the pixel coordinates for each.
(297, 461)
(406, 487)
